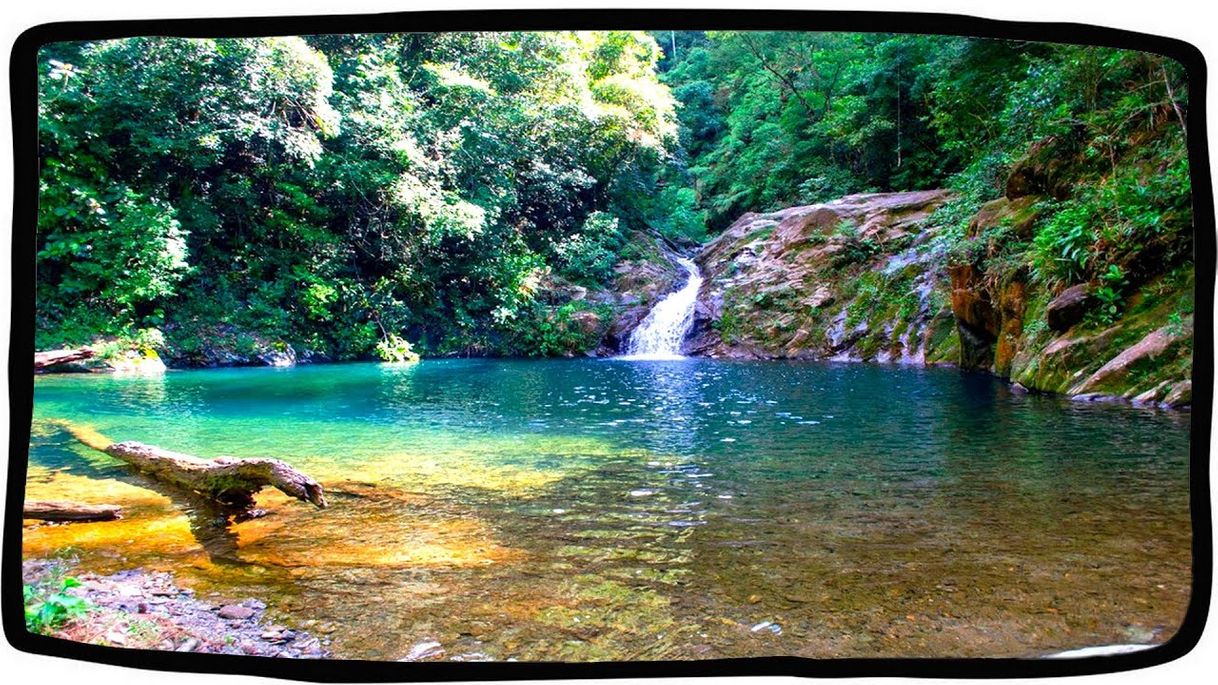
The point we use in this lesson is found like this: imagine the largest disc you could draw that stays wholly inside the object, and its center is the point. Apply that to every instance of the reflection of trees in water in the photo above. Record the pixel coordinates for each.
(142, 391)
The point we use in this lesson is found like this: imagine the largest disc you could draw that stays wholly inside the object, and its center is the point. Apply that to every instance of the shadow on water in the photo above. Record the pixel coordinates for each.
(211, 523)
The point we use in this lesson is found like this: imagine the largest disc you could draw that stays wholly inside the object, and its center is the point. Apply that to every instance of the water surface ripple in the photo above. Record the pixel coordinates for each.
(606, 509)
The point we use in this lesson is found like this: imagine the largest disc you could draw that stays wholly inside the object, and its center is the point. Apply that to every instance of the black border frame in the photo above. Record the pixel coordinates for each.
(23, 79)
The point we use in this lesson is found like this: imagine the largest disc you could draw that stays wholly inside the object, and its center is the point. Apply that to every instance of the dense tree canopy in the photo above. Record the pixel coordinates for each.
(340, 192)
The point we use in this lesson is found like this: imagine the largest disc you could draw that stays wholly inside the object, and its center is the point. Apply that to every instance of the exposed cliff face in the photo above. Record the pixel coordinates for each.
(871, 277)
(845, 280)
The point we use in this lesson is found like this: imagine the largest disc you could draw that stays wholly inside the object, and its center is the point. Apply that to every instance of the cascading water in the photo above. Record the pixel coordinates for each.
(660, 334)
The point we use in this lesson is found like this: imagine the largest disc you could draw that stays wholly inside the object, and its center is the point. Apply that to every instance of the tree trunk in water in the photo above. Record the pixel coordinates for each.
(228, 480)
(231, 481)
(52, 357)
(71, 511)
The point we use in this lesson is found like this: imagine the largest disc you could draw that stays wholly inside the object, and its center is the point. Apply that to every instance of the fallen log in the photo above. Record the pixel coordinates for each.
(71, 511)
(228, 480)
(52, 357)
(231, 481)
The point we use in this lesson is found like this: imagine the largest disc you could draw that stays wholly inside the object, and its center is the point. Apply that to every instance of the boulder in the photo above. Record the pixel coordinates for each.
(1048, 168)
(586, 322)
(1156, 344)
(1180, 395)
(1068, 308)
(1020, 214)
(280, 354)
(235, 612)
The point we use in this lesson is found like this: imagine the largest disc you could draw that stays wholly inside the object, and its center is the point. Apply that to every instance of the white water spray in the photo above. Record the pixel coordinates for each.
(660, 334)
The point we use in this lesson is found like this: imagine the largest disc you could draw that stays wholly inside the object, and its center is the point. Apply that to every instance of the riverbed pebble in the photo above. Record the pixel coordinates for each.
(235, 613)
(765, 627)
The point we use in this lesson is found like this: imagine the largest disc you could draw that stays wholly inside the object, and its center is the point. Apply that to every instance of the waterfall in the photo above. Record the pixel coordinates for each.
(660, 334)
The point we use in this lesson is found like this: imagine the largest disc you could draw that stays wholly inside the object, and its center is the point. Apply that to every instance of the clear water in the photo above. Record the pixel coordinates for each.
(659, 335)
(603, 509)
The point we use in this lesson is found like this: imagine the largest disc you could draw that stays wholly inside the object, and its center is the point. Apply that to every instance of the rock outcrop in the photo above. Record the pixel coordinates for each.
(1068, 308)
(876, 278)
(811, 281)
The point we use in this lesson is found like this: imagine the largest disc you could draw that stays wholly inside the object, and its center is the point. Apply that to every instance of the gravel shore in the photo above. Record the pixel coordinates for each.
(142, 609)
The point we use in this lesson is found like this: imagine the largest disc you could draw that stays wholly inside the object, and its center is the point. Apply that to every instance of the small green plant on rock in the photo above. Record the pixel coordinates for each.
(1175, 324)
(1110, 295)
(49, 605)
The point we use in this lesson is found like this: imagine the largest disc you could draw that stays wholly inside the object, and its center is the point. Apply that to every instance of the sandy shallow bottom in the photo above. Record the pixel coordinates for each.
(591, 511)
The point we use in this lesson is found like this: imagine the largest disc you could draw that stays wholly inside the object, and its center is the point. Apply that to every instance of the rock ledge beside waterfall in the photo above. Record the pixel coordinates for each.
(871, 278)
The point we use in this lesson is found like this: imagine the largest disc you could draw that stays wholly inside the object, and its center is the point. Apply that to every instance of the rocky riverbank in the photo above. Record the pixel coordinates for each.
(140, 609)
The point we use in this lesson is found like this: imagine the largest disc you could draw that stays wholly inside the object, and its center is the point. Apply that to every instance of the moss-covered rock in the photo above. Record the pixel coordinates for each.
(874, 278)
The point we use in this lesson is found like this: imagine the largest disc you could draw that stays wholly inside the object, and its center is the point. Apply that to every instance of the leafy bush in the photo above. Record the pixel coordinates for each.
(1063, 245)
(1114, 220)
(395, 349)
(589, 255)
(1110, 295)
(567, 330)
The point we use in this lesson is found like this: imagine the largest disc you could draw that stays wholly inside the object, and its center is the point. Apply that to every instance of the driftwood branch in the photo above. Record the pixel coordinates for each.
(230, 481)
(52, 357)
(71, 511)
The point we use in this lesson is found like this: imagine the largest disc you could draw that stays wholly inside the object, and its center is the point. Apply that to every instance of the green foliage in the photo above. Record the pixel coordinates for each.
(729, 324)
(677, 215)
(589, 255)
(1114, 221)
(1175, 324)
(312, 189)
(49, 604)
(395, 349)
(567, 330)
(1110, 295)
(855, 248)
(318, 191)
(771, 119)
(1063, 245)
